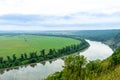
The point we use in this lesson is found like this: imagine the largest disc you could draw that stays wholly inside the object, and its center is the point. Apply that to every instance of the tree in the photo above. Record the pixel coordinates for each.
(50, 52)
(9, 59)
(42, 52)
(25, 55)
(94, 68)
(1, 59)
(74, 66)
(14, 57)
(33, 55)
(115, 60)
(22, 57)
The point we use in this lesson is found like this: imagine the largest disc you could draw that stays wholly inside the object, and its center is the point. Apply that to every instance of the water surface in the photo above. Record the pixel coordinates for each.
(97, 50)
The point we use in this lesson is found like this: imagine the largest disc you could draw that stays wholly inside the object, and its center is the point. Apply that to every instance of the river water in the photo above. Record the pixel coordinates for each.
(97, 50)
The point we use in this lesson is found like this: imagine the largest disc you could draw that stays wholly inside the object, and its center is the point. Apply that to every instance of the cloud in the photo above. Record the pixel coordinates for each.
(59, 14)
(57, 7)
(47, 20)
(81, 20)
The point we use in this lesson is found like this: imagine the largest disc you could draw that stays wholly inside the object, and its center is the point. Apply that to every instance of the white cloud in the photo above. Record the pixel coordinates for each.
(57, 7)
(59, 14)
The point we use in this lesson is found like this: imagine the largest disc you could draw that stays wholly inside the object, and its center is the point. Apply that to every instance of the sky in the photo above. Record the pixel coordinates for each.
(59, 14)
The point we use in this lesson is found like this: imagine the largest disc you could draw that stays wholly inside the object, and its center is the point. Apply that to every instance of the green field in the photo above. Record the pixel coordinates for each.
(10, 45)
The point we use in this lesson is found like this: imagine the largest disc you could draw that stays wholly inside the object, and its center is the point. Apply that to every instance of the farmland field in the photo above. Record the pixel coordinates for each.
(19, 44)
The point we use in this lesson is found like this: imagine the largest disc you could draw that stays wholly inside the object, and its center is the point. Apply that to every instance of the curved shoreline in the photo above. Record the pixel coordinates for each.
(45, 60)
(63, 56)
(42, 70)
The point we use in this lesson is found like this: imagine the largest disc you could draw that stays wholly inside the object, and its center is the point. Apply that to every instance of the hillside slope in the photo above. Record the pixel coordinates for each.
(108, 69)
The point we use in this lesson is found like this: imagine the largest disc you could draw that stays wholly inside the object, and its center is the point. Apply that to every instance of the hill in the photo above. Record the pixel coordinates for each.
(77, 68)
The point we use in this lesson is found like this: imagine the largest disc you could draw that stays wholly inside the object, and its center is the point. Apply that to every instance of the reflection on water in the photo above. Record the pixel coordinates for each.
(36, 71)
(33, 65)
(2, 71)
(41, 70)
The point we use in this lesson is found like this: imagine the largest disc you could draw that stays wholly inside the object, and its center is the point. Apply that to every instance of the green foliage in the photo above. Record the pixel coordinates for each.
(115, 59)
(74, 65)
(110, 37)
(76, 68)
(73, 69)
(19, 44)
(94, 66)
(34, 57)
(94, 69)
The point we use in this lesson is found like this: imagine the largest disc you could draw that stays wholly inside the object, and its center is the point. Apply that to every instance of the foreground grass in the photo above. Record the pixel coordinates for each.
(10, 45)
(111, 75)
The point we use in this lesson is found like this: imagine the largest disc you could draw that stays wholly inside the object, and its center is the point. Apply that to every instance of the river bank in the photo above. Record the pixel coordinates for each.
(41, 71)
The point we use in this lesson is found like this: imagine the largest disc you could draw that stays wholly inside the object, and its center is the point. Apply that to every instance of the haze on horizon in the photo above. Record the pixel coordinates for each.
(59, 14)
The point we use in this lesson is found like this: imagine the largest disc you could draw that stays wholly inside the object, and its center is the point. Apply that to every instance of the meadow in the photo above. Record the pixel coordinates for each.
(20, 44)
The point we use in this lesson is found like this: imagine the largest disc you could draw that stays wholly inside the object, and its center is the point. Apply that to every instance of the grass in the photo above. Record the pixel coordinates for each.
(10, 45)
(110, 75)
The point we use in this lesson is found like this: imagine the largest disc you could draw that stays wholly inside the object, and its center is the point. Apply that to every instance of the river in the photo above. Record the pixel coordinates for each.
(97, 50)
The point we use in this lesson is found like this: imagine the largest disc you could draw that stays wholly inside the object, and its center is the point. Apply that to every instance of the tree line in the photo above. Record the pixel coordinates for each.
(41, 56)
(78, 68)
